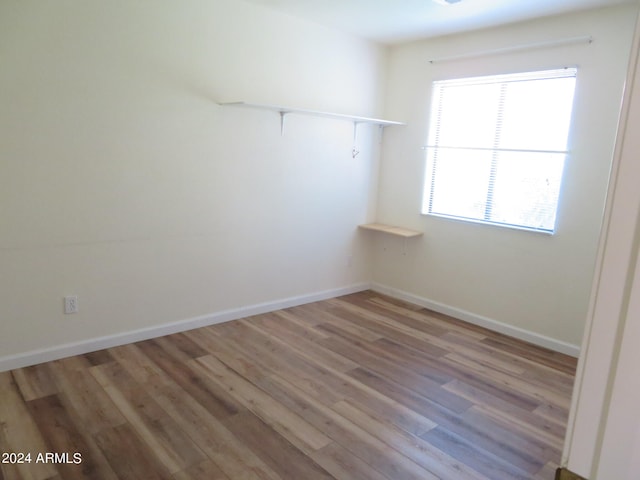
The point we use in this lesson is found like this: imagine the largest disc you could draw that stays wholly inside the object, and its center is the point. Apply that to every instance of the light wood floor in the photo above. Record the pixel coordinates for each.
(359, 387)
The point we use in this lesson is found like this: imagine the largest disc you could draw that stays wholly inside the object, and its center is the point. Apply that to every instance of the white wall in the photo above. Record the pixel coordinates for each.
(603, 435)
(619, 456)
(121, 181)
(531, 285)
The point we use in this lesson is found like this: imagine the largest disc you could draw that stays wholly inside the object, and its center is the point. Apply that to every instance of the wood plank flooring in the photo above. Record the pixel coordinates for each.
(361, 387)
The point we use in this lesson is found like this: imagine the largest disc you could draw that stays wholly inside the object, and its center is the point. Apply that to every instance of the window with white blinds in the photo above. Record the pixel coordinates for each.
(497, 147)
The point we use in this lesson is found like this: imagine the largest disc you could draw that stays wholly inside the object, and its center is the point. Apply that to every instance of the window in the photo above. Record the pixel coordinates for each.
(497, 147)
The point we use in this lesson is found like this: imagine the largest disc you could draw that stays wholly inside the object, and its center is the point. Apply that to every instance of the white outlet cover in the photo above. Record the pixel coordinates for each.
(71, 304)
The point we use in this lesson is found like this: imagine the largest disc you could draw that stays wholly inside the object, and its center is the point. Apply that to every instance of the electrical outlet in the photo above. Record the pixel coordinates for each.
(71, 304)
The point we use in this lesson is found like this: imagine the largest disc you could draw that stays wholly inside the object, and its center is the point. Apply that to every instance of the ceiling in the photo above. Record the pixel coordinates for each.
(396, 21)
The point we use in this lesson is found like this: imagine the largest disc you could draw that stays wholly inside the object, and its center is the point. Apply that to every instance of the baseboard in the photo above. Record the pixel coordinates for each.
(61, 351)
(90, 345)
(510, 330)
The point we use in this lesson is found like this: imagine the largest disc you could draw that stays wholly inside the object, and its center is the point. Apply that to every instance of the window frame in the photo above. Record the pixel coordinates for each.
(429, 183)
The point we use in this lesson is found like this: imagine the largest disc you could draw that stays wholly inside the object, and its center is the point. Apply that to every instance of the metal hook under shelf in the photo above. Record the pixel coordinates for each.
(282, 114)
(355, 151)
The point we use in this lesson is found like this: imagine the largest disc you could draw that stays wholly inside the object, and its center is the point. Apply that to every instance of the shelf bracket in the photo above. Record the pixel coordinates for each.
(355, 151)
(282, 114)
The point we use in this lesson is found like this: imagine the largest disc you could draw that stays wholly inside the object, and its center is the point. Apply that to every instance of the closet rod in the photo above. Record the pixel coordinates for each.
(516, 48)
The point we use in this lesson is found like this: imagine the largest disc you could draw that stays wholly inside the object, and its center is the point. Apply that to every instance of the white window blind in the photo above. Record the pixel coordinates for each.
(497, 147)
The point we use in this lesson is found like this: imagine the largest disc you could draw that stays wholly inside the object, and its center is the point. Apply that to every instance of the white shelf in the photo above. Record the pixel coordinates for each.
(283, 111)
(302, 111)
(390, 229)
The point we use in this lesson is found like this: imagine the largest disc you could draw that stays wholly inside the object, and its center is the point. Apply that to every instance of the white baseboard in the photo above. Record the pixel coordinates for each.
(496, 326)
(91, 345)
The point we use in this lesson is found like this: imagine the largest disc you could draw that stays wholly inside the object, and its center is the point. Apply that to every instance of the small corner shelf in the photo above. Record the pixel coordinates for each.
(283, 111)
(397, 231)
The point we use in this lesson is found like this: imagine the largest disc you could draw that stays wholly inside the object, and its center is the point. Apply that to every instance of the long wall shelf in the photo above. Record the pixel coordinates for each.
(390, 229)
(302, 111)
(284, 111)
